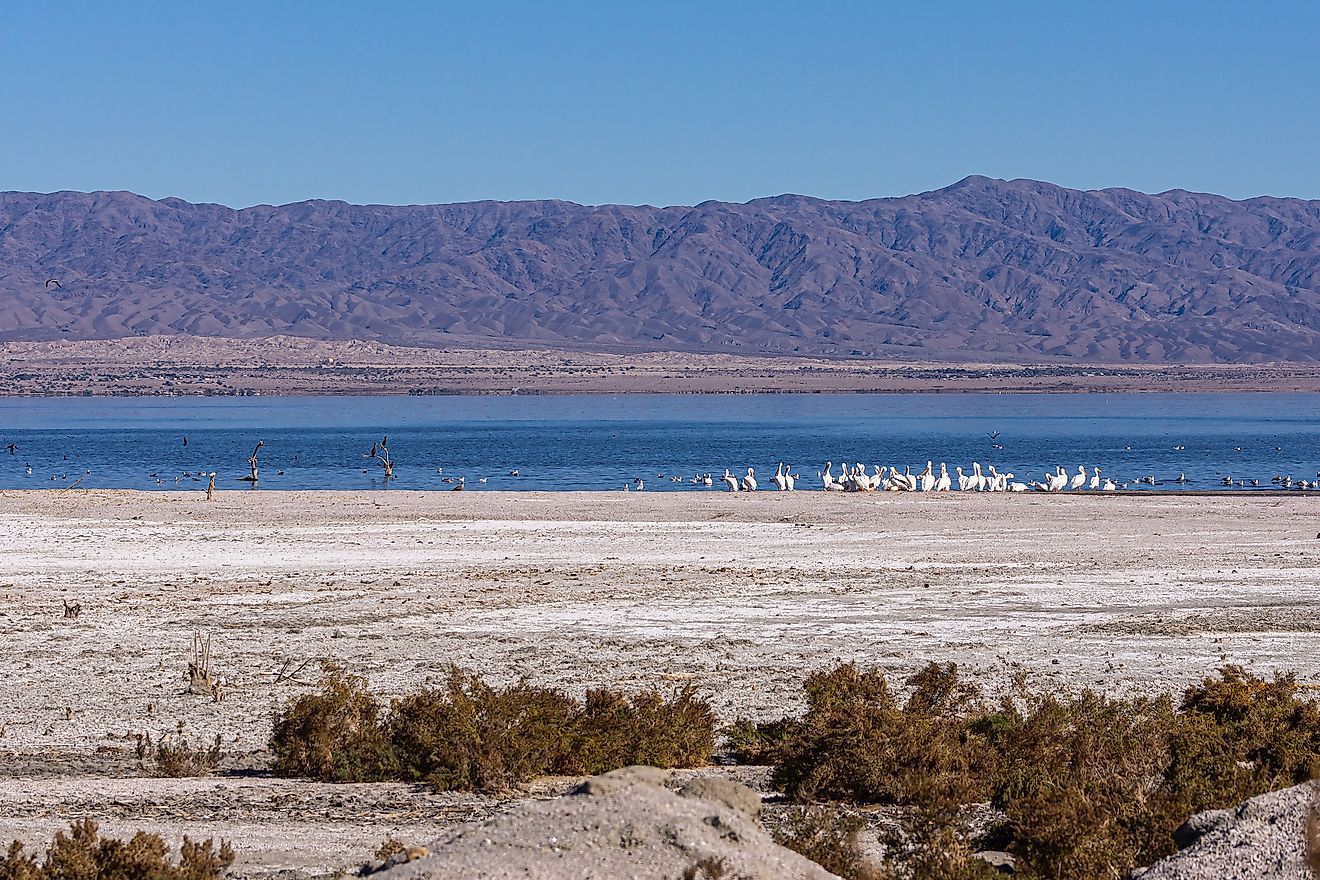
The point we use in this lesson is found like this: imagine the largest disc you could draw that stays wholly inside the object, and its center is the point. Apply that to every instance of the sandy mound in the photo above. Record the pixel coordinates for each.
(1260, 839)
(622, 824)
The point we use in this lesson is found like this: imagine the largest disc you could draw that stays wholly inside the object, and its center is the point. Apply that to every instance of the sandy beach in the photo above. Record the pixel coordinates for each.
(742, 595)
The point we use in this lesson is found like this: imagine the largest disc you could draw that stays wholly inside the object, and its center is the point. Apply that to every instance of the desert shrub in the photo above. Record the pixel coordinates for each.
(1091, 786)
(766, 742)
(82, 855)
(175, 756)
(614, 730)
(470, 736)
(855, 744)
(1239, 736)
(1079, 779)
(828, 837)
(335, 735)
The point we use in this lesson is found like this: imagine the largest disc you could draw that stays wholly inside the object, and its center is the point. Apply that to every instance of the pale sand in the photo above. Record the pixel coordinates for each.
(742, 595)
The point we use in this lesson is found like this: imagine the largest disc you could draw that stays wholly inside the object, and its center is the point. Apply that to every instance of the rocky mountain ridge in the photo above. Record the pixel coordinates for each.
(984, 268)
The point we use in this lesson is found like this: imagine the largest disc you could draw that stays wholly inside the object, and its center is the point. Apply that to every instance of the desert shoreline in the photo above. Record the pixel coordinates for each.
(283, 365)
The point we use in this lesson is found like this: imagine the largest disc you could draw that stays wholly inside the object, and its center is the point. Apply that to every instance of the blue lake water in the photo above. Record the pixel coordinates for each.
(603, 442)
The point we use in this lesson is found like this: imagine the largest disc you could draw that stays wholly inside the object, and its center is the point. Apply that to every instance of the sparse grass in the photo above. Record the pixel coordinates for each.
(82, 855)
(1091, 787)
(470, 736)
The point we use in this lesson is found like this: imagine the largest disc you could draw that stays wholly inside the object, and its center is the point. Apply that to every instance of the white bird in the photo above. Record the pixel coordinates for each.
(1057, 481)
(1109, 486)
(927, 477)
(827, 478)
(962, 479)
(780, 482)
(708, 480)
(730, 481)
(977, 482)
(789, 480)
(943, 483)
(749, 481)
(1095, 480)
(1079, 480)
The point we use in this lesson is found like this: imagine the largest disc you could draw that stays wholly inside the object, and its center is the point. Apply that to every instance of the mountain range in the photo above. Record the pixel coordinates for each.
(1005, 270)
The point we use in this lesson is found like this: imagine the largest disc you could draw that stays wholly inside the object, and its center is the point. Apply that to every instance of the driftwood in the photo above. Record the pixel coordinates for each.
(289, 673)
(252, 463)
(71, 612)
(381, 452)
(201, 681)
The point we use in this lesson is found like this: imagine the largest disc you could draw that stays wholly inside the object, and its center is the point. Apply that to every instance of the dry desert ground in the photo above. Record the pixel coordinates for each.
(742, 595)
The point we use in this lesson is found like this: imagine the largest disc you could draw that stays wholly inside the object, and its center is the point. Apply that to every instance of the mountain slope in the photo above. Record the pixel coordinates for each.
(1016, 269)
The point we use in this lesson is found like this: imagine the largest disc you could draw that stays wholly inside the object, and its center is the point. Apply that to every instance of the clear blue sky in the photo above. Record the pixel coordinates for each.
(661, 102)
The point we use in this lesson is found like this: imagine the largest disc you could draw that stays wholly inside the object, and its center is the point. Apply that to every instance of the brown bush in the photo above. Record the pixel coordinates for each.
(82, 855)
(855, 744)
(470, 736)
(174, 756)
(334, 735)
(1091, 787)
(828, 837)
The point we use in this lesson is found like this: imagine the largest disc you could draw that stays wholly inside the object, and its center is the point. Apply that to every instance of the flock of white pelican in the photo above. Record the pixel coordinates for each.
(854, 478)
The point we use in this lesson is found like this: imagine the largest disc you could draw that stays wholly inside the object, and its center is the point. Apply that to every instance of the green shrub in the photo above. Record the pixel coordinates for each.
(82, 855)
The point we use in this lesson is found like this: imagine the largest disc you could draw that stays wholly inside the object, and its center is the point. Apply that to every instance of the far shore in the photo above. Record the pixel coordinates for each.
(188, 366)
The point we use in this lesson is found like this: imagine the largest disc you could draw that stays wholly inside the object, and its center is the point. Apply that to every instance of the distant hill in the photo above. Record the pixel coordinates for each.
(984, 268)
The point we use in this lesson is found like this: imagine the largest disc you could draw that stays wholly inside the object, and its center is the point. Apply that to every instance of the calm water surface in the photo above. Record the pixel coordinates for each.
(603, 442)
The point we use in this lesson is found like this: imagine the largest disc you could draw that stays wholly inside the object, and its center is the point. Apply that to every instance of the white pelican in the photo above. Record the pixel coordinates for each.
(977, 481)
(962, 479)
(943, 483)
(1108, 486)
(1079, 480)
(708, 480)
(789, 480)
(1095, 480)
(1057, 481)
(827, 478)
(780, 483)
(927, 477)
(749, 481)
(730, 480)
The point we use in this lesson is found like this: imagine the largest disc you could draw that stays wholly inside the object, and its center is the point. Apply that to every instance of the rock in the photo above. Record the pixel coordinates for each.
(1002, 862)
(722, 791)
(1260, 839)
(617, 780)
(619, 824)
